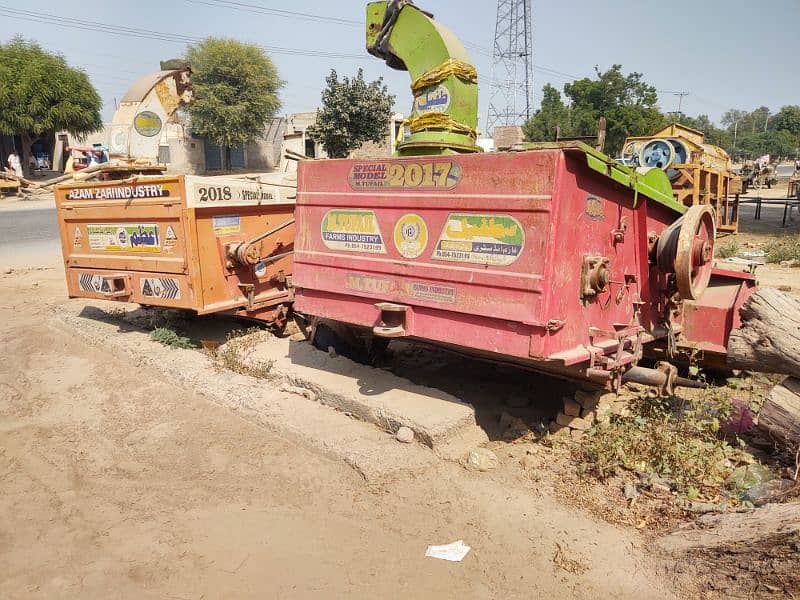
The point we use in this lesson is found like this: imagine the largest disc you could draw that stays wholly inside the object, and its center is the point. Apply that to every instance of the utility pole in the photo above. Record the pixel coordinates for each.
(680, 96)
(511, 86)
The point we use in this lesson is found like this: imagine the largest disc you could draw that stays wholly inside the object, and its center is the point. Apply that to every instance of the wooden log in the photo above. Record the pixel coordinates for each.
(769, 338)
(740, 555)
(779, 417)
(82, 175)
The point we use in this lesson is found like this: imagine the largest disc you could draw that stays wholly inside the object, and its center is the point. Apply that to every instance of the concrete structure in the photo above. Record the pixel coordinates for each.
(297, 140)
(185, 153)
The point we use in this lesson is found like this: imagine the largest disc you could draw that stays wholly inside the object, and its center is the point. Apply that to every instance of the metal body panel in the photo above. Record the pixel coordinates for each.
(491, 260)
(164, 241)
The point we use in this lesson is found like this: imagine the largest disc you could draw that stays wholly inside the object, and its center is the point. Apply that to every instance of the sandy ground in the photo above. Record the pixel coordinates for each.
(118, 483)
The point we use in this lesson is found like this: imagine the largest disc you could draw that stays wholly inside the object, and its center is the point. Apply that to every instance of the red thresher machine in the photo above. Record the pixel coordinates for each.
(554, 256)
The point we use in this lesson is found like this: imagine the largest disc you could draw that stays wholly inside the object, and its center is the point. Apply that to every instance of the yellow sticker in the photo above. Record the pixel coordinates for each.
(410, 235)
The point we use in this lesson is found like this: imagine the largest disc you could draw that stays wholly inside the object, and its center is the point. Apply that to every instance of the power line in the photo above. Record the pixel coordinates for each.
(288, 14)
(39, 17)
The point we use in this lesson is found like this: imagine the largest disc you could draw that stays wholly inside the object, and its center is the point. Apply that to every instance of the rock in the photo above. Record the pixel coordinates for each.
(587, 400)
(332, 352)
(785, 288)
(749, 476)
(555, 427)
(606, 400)
(517, 401)
(8, 271)
(572, 422)
(511, 426)
(405, 435)
(576, 433)
(589, 415)
(530, 462)
(481, 459)
(705, 507)
(768, 491)
(635, 387)
(630, 491)
(572, 408)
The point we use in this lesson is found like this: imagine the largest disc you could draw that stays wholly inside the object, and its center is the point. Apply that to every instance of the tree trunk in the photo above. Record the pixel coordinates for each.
(227, 163)
(779, 417)
(740, 555)
(769, 338)
(27, 142)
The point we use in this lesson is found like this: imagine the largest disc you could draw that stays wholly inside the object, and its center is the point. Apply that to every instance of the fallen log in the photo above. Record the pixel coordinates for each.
(8, 174)
(779, 417)
(769, 338)
(741, 555)
(82, 175)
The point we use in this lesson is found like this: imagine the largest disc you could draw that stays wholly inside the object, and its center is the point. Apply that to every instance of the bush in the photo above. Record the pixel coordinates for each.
(169, 337)
(728, 249)
(783, 248)
(676, 440)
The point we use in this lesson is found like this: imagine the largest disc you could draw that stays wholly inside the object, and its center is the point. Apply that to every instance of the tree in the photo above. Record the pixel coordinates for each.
(236, 91)
(41, 94)
(628, 103)
(353, 112)
(788, 119)
(713, 134)
(553, 113)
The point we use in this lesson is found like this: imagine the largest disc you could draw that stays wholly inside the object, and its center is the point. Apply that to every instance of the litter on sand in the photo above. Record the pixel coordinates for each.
(453, 552)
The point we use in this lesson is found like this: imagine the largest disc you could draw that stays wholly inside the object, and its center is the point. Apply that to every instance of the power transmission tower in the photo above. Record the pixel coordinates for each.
(511, 87)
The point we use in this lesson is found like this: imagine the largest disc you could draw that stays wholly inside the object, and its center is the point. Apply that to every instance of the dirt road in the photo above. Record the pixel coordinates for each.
(117, 483)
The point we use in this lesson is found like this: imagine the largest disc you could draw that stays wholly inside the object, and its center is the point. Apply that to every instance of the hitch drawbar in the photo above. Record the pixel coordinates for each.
(664, 377)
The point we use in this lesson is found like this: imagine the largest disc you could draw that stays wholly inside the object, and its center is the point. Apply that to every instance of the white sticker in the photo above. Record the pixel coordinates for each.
(156, 287)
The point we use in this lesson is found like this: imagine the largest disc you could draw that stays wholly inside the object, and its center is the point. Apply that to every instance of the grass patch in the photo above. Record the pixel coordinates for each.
(675, 439)
(783, 248)
(236, 354)
(169, 337)
(728, 249)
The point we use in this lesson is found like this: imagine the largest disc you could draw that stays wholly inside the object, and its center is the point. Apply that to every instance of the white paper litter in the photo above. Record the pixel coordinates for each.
(454, 552)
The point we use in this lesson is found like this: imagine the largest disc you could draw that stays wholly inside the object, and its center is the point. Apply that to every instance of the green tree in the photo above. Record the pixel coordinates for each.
(788, 119)
(553, 113)
(236, 89)
(629, 104)
(713, 134)
(353, 112)
(41, 94)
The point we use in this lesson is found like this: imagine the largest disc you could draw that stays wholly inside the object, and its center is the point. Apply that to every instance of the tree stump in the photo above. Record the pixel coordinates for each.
(769, 338)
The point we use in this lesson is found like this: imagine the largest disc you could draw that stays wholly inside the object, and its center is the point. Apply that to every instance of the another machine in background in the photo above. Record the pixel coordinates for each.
(699, 173)
(208, 244)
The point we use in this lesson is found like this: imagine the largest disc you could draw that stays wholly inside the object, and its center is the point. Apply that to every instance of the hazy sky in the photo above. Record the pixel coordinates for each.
(725, 53)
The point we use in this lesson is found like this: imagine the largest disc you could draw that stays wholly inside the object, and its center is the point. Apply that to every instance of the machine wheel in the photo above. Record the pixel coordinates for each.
(657, 153)
(694, 254)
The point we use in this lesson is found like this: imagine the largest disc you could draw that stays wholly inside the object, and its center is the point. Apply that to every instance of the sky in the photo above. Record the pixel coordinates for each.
(724, 53)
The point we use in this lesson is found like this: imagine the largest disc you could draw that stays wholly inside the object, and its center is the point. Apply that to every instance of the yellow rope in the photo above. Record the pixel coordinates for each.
(435, 120)
(452, 66)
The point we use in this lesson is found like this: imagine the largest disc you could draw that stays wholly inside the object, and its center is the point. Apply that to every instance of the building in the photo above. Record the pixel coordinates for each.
(183, 152)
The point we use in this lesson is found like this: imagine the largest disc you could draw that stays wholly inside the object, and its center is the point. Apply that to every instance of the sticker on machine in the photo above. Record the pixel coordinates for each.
(482, 239)
(93, 283)
(410, 235)
(405, 175)
(78, 239)
(352, 231)
(124, 237)
(431, 292)
(158, 287)
(226, 224)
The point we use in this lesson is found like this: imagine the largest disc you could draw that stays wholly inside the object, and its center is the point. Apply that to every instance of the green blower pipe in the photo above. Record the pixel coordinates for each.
(445, 111)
